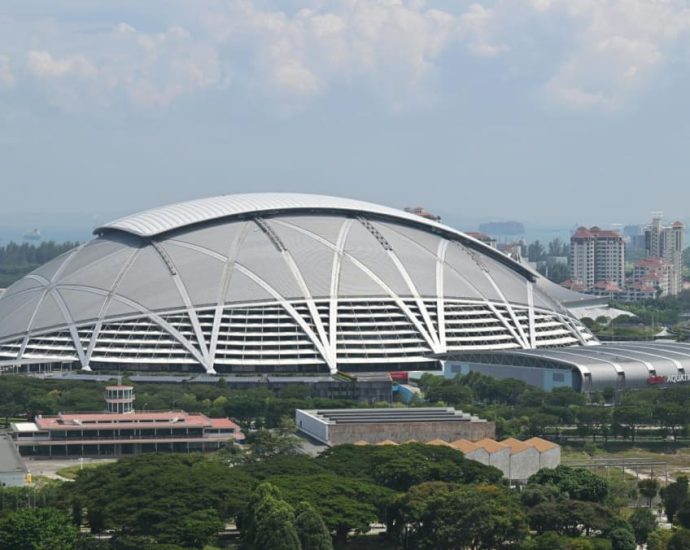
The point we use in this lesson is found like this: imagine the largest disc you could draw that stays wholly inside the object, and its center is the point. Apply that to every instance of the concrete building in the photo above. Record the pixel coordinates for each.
(471, 450)
(339, 426)
(549, 452)
(524, 459)
(498, 454)
(122, 431)
(597, 255)
(667, 242)
(518, 460)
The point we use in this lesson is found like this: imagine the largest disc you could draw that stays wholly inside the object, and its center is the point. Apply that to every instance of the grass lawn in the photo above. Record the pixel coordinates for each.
(679, 458)
(70, 472)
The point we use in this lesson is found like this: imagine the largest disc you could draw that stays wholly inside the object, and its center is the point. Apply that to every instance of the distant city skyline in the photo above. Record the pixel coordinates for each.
(535, 110)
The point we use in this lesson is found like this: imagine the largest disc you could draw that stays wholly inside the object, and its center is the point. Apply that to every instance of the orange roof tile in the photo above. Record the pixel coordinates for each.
(438, 442)
(464, 446)
(541, 444)
(491, 445)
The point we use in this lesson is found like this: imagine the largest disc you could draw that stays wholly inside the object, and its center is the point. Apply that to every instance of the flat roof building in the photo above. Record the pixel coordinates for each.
(116, 434)
(400, 425)
(119, 433)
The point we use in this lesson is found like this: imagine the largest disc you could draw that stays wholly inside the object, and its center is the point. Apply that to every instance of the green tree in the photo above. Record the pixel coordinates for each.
(643, 522)
(577, 483)
(570, 517)
(632, 415)
(345, 504)
(648, 488)
(484, 517)
(266, 443)
(440, 515)
(622, 539)
(200, 528)
(658, 539)
(673, 496)
(312, 531)
(679, 541)
(682, 516)
(37, 529)
(275, 526)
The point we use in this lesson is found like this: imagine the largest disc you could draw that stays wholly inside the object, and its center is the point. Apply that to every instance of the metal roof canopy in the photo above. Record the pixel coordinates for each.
(157, 221)
(605, 364)
(363, 416)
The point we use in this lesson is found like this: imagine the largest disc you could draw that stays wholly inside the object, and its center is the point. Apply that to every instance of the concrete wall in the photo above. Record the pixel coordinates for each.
(400, 432)
(480, 455)
(314, 427)
(501, 459)
(550, 458)
(12, 479)
(524, 464)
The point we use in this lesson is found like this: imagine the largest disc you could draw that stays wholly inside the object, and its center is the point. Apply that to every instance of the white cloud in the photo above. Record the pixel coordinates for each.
(477, 24)
(586, 54)
(617, 48)
(383, 45)
(7, 79)
(44, 65)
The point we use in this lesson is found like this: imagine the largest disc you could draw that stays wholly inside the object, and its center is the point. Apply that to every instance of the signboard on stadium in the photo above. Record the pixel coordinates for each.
(671, 379)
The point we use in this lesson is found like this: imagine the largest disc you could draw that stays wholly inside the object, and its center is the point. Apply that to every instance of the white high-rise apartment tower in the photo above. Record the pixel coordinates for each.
(667, 242)
(597, 255)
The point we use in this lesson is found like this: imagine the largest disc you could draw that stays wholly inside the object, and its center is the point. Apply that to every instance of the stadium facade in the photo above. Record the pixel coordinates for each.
(277, 283)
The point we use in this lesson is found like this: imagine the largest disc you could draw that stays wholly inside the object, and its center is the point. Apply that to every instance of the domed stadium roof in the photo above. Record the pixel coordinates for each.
(276, 282)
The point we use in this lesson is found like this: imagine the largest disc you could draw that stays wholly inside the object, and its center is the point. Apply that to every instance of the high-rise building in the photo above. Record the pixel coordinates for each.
(666, 242)
(596, 255)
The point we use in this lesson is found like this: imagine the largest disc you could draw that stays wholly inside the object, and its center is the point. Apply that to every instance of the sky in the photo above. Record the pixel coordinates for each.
(549, 112)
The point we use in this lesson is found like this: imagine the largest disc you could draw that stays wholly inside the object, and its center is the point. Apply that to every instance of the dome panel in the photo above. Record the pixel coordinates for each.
(242, 289)
(363, 246)
(455, 286)
(429, 241)
(98, 273)
(326, 227)
(217, 237)
(48, 270)
(82, 305)
(313, 259)
(149, 282)
(48, 314)
(466, 264)
(353, 282)
(200, 273)
(22, 285)
(116, 308)
(16, 312)
(419, 263)
(262, 257)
